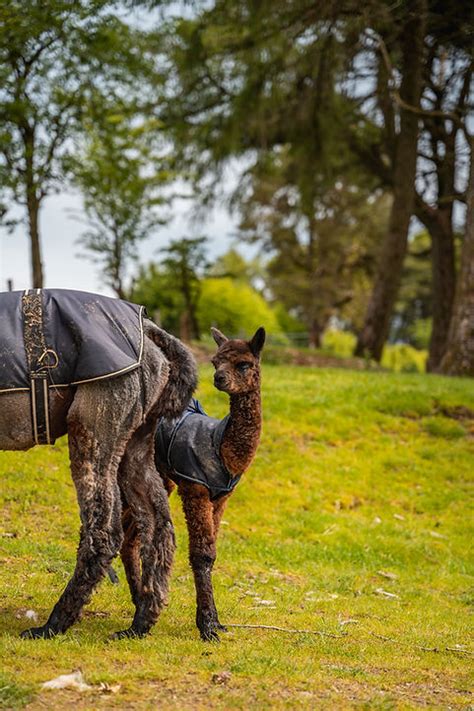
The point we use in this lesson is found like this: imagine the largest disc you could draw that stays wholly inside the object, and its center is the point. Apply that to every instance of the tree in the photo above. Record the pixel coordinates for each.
(233, 265)
(54, 55)
(413, 311)
(446, 78)
(253, 77)
(156, 289)
(442, 150)
(379, 311)
(114, 171)
(185, 262)
(316, 248)
(459, 355)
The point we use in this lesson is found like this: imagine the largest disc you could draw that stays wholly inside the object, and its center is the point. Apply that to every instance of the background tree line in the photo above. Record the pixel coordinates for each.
(343, 122)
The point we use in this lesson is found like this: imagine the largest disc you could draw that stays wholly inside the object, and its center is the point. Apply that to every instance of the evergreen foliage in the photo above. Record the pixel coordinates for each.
(339, 90)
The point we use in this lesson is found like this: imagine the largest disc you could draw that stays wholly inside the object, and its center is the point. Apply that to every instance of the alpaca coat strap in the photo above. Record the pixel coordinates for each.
(189, 447)
(36, 351)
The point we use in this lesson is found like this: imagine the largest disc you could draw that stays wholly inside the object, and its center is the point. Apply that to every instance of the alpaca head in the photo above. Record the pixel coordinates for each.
(237, 362)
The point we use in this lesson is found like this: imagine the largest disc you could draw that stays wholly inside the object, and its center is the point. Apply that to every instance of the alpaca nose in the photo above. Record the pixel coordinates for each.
(219, 379)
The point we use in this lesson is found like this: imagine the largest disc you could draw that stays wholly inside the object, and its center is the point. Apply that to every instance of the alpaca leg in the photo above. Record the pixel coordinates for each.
(198, 510)
(169, 485)
(148, 503)
(96, 447)
(130, 554)
(130, 551)
(218, 510)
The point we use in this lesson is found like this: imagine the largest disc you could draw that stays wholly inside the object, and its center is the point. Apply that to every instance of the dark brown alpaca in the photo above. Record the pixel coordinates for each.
(111, 425)
(237, 364)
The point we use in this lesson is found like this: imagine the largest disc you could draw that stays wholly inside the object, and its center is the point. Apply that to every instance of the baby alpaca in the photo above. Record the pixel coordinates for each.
(206, 457)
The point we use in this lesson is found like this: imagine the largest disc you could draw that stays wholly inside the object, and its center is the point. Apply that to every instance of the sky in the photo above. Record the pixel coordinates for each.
(64, 268)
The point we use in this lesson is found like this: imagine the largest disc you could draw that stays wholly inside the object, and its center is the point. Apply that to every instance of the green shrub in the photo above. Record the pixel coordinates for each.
(338, 343)
(399, 357)
(236, 309)
(403, 358)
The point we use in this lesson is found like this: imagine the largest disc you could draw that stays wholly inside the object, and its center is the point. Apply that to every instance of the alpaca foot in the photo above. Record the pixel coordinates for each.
(209, 633)
(208, 626)
(131, 633)
(44, 632)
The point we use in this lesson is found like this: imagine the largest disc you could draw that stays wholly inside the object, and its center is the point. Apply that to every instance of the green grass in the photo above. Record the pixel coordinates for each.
(361, 487)
(13, 695)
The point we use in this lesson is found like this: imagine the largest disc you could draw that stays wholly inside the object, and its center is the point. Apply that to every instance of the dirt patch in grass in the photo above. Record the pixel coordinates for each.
(456, 412)
(193, 692)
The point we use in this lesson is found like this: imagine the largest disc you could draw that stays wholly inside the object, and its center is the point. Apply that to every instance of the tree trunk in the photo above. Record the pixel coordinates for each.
(190, 306)
(438, 222)
(443, 287)
(315, 260)
(315, 333)
(35, 247)
(32, 205)
(116, 265)
(377, 320)
(459, 356)
(121, 293)
(194, 322)
(185, 327)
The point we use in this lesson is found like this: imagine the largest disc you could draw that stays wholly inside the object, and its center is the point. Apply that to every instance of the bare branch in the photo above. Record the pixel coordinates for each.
(288, 630)
(395, 94)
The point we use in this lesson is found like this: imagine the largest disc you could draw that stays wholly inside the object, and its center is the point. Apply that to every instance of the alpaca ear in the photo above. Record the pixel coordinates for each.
(256, 344)
(218, 336)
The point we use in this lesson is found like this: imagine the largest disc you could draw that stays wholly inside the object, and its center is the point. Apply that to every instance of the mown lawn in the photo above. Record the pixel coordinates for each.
(355, 522)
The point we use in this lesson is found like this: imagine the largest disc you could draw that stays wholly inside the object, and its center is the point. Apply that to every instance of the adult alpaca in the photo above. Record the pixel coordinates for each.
(206, 457)
(110, 421)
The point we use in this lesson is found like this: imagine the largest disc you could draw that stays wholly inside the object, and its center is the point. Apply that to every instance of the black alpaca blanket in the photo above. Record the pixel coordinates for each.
(80, 337)
(188, 447)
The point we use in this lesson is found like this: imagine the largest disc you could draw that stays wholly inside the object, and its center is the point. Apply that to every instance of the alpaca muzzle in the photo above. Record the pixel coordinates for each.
(220, 380)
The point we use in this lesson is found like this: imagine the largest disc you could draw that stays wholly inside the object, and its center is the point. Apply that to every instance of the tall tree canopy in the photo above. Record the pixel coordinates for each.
(120, 172)
(56, 57)
(318, 252)
(446, 65)
(343, 87)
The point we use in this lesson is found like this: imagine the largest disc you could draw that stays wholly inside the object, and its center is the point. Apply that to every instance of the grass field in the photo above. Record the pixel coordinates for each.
(354, 524)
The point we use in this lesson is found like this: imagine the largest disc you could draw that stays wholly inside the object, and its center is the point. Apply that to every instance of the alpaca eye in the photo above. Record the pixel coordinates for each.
(242, 367)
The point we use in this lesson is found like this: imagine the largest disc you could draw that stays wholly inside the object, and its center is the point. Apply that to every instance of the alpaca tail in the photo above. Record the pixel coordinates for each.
(182, 378)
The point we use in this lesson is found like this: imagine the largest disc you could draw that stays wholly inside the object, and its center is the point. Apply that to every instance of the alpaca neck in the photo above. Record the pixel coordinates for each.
(242, 434)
